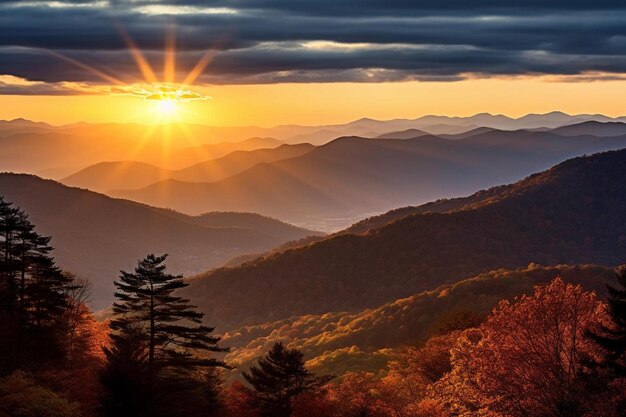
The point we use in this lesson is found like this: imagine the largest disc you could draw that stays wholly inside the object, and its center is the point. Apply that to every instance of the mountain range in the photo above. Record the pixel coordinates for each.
(59, 151)
(333, 185)
(570, 214)
(95, 236)
(106, 176)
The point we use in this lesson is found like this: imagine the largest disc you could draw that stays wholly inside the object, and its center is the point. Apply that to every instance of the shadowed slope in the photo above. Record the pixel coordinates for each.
(95, 236)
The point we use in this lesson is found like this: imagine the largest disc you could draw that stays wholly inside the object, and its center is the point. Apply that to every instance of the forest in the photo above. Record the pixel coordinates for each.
(557, 350)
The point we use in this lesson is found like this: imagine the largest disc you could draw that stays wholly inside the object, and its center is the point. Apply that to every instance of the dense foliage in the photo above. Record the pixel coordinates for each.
(533, 356)
(613, 336)
(365, 340)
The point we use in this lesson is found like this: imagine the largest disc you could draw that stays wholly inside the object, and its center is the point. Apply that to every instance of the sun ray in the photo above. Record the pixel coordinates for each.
(140, 59)
(169, 64)
(202, 63)
(197, 70)
(95, 71)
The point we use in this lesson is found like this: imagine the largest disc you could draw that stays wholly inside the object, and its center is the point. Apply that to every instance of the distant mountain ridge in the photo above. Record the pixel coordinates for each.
(352, 177)
(106, 176)
(508, 227)
(594, 128)
(95, 236)
(316, 135)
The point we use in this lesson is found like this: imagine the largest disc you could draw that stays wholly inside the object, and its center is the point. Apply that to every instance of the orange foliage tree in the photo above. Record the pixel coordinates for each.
(78, 377)
(531, 357)
(239, 401)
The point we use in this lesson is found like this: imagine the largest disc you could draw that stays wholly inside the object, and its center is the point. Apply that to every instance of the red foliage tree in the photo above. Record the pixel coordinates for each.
(535, 354)
(239, 401)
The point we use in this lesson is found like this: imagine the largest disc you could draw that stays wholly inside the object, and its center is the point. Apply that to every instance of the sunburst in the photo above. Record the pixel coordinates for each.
(164, 95)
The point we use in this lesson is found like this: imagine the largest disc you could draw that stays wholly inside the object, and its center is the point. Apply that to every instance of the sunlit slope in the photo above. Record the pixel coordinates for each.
(95, 236)
(353, 177)
(107, 176)
(573, 213)
(349, 340)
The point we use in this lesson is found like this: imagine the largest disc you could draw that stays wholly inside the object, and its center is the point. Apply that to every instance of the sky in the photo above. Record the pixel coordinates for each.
(269, 62)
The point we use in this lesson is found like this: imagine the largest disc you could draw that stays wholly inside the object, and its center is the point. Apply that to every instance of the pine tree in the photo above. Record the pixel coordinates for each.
(34, 293)
(159, 348)
(613, 338)
(10, 220)
(278, 378)
(146, 301)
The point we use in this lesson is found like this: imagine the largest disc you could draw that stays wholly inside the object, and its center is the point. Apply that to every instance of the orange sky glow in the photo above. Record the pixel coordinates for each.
(323, 103)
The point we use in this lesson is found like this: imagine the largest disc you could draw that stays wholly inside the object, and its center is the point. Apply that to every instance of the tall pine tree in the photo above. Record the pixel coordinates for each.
(279, 378)
(174, 331)
(159, 348)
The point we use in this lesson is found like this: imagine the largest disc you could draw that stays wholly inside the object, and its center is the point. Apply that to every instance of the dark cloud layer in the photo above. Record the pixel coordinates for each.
(265, 41)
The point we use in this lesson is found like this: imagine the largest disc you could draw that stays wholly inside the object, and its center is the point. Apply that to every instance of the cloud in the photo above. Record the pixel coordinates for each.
(162, 92)
(268, 41)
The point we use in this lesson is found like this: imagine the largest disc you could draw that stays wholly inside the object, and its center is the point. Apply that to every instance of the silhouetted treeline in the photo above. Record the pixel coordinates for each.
(46, 333)
(35, 295)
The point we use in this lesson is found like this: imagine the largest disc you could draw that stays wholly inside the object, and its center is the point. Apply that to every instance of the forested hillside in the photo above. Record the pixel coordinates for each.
(351, 341)
(572, 213)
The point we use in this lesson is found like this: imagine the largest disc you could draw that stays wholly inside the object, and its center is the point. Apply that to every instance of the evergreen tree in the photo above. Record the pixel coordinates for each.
(278, 378)
(159, 348)
(146, 301)
(34, 293)
(613, 338)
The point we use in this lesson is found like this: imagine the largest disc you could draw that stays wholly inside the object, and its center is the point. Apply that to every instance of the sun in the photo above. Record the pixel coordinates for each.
(167, 107)
(166, 100)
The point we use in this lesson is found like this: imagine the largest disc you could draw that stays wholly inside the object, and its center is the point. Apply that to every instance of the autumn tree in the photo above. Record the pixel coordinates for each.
(77, 376)
(239, 401)
(160, 349)
(279, 378)
(458, 391)
(532, 357)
